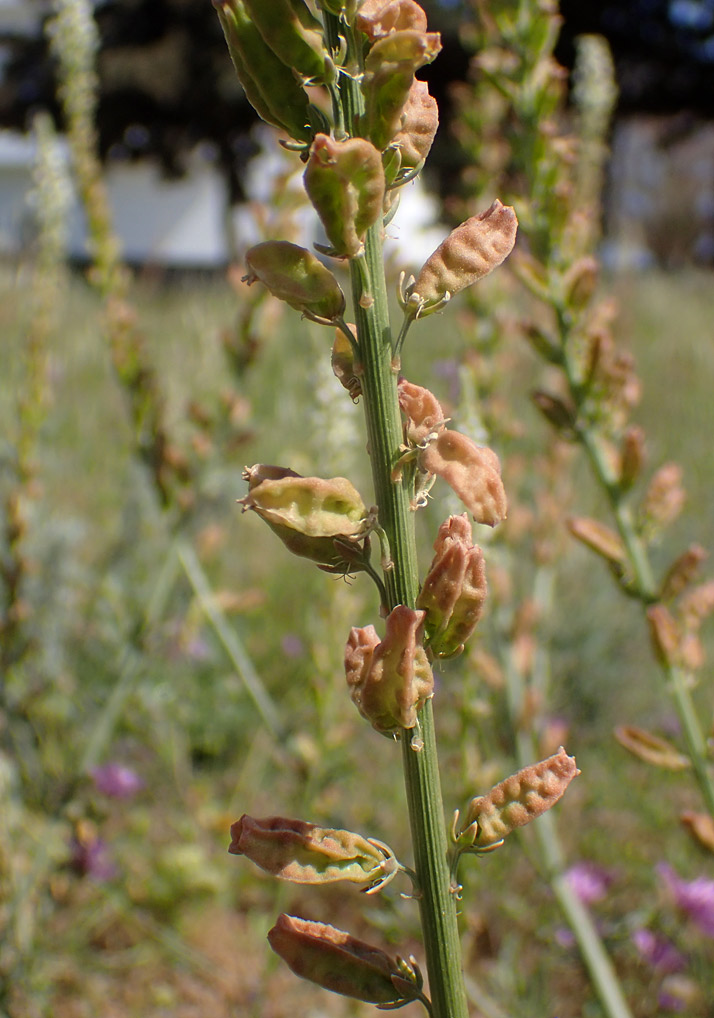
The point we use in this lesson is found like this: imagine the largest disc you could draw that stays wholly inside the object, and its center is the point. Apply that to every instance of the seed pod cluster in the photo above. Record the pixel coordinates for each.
(389, 680)
(454, 591)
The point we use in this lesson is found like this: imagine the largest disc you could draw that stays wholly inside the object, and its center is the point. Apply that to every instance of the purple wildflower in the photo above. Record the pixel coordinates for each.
(92, 858)
(116, 781)
(292, 645)
(695, 897)
(659, 952)
(589, 881)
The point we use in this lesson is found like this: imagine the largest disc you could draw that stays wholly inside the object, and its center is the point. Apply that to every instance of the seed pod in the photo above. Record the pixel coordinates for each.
(311, 515)
(344, 367)
(468, 254)
(454, 591)
(377, 18)
(580, 281)
(420, 122)
(305, 854)
(520, 798)
(260, 472)
(295, 275)
(682, 572)
(653, 749)
(336, 961)
(664, 498)
(598, 538)
(632, 455)
(472, 470)
(422, 410)
(665, 635)
(270, 87)
(701, 828)
(390, 680)
(345, 182)
(292, 32)
(388, 77)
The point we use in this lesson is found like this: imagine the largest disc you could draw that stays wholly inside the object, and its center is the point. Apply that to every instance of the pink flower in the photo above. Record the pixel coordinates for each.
(589, 881)
(658, 952)
(695, 897)
(91, 858)
(116, 781)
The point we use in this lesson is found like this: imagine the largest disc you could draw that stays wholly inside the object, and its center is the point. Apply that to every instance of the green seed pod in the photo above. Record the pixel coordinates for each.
(390, 680)
(295, 275)
(270, 87)
(520, 799)
(311, 516)
(454, 591)
(305, 854)
(337, 961)
(472, 470)
(345, 182)
(388, 77)
(294, 35)
(420, 122)
(468, 254)
(344, 365)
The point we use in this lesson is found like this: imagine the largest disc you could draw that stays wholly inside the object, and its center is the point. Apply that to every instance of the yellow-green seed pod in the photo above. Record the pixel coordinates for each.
(344, 365)
(519, 799)
(388, 77)
(345, 182)
(336, 961)
(269, 85)
(312, 516)
(295, 275)
(468, 254)
(305, 854)
(294, 35)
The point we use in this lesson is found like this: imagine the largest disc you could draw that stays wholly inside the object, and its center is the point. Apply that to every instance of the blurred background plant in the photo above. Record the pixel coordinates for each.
(146, 699)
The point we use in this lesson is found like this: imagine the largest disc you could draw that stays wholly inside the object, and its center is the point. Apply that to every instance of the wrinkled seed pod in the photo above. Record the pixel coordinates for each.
(390, 680)
(377, 18)
(468, 254)
(335, 960)
(388, 77)
(420, 122)
(520, 798)
(422, 410)
(345, 182)
(473, 471)
(454, 590)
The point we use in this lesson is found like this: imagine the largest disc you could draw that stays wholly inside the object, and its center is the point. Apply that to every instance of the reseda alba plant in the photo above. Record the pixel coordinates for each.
(360, 63)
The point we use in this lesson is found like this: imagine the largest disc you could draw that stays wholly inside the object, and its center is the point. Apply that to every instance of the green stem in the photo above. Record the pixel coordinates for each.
(419, 756)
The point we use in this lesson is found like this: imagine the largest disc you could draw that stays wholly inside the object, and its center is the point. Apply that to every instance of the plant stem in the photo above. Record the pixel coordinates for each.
(437, 905)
